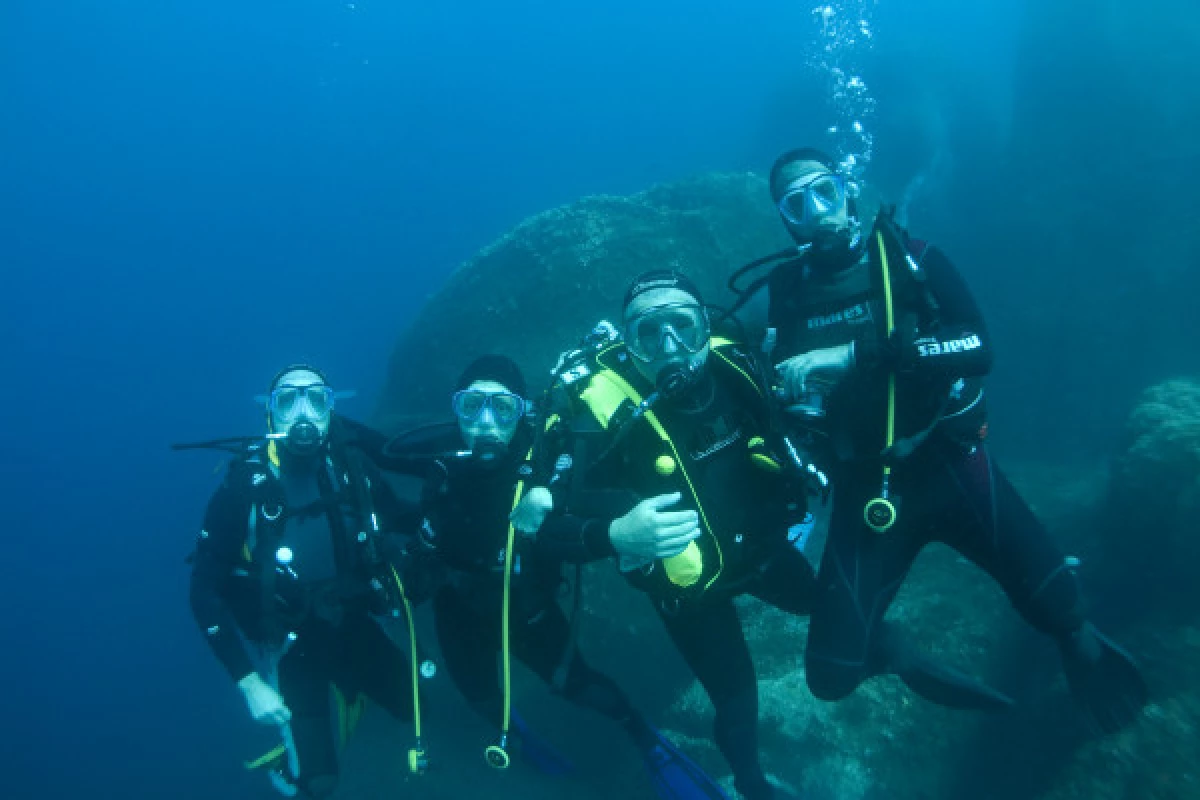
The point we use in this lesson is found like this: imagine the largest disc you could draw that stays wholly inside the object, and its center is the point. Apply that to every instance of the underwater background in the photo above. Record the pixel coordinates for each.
(195, 194)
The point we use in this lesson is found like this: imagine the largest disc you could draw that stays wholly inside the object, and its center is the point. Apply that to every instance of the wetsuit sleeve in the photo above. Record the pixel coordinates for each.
(576, 530)
(580, 538)
(956, 345)
(218, 552)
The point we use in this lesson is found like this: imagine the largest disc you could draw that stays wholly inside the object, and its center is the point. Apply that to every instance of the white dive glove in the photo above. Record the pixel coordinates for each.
(824, 366)
(647, 532)
(531, 512)
(266, 704)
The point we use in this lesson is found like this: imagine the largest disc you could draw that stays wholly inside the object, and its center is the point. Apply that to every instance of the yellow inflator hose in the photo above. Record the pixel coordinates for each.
(417, 762)
(880, 513)
(497, 754)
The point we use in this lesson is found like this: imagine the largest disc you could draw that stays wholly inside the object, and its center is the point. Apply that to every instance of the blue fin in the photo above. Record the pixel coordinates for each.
(537, 752)
(677, 777)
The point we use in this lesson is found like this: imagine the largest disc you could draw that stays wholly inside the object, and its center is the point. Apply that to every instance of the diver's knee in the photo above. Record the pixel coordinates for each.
(830, 681)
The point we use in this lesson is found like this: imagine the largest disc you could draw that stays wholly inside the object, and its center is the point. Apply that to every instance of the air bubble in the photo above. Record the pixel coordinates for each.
(842, 35)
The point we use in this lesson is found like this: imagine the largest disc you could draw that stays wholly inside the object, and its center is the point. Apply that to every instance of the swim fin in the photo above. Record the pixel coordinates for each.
(537, 752)
(674, 775)
(949, 687)
(937, 682)
(1104, 679)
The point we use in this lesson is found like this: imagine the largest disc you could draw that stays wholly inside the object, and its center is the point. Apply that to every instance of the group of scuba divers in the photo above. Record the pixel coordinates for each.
(686, 458)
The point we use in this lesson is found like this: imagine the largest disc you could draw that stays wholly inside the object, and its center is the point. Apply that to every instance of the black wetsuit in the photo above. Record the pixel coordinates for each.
(467, 505)
(719, 430)
(946, 489)
(309, 619)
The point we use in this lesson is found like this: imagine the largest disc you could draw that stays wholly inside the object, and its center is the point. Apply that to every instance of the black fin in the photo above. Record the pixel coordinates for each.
(1104, 679)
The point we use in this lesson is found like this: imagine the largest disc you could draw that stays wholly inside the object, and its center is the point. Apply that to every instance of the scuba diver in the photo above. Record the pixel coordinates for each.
(499, 592)
(295, 558)
(666, 435)
(880, 351)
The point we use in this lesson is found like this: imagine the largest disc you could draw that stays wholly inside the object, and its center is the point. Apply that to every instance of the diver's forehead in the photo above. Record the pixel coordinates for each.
(489, 387)
(300, 377)
(658, 297)
(805, 169)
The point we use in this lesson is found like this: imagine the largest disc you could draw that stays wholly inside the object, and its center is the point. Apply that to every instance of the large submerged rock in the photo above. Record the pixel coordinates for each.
(537, 290)
(1156, 478)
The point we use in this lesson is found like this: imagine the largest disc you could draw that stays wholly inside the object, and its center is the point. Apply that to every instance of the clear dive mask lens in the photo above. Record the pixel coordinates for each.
(684, 325)
(285, 400)
(808, 201)
(506, 407)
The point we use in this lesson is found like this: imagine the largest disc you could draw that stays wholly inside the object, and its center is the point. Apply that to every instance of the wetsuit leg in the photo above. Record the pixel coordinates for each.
(788, 582)
(860, 573)
(986, 520)
(470, 647)
(995, 528)
(369, 662)
(304, 685)
(709, 637)
(541, 643)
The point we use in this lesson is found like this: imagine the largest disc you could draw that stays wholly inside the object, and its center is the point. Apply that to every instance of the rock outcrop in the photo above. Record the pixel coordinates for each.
(537, 290)
(1156, 478)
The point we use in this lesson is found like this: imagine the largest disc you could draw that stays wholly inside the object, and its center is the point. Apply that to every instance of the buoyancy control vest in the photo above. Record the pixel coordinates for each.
(860, 304)
(603, 386)
(346, 502)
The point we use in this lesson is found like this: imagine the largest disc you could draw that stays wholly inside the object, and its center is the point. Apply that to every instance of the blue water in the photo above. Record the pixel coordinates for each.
(193, 194)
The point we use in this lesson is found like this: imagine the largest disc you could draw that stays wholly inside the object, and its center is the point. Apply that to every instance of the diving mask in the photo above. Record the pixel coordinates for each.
(662, 331)
(506, 407)
(808, 201)
(285, 401)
